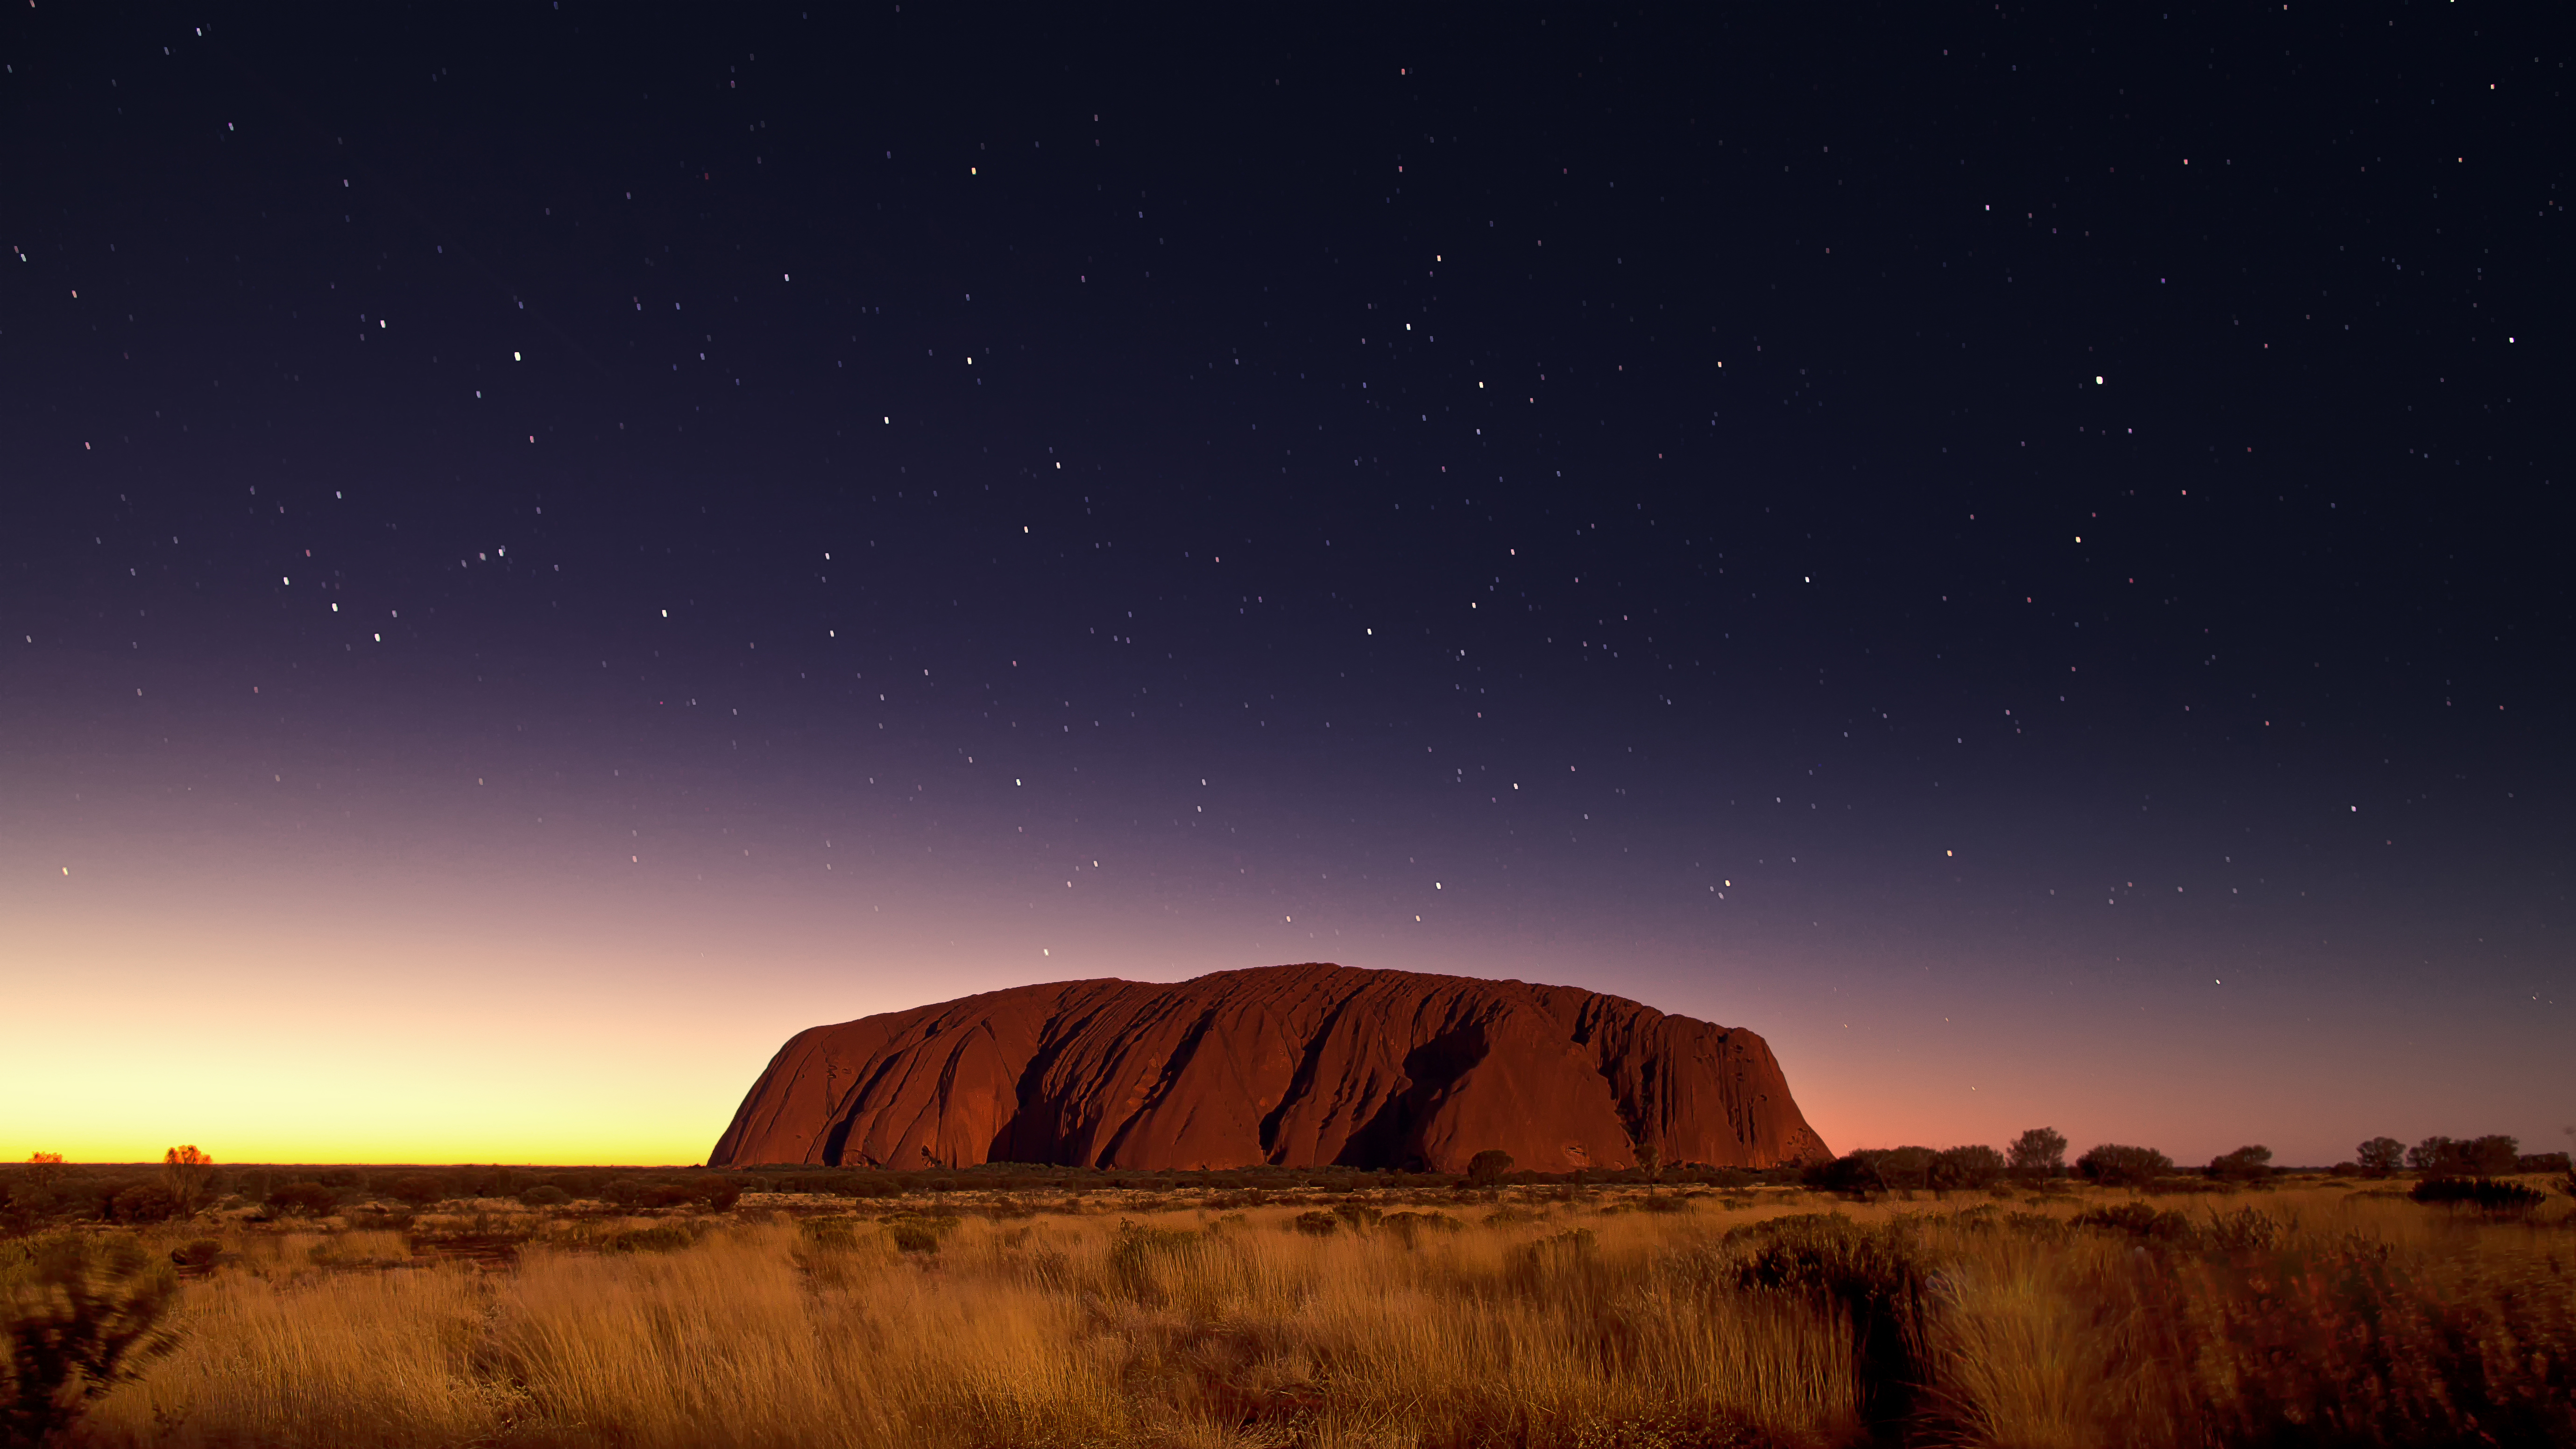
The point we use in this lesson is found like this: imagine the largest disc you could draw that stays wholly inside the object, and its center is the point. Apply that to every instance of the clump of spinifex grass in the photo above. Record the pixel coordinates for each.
(1510, 1316)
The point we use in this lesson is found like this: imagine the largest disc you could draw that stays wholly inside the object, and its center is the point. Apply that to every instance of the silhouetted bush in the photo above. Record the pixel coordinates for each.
(2482, 1193)
(143, 1203)
(1970, 1167)
(1487, 1167)
(544, 1195)
(2245, 1164)
(2476, 1157)
(303, 1200)
(417, 1188)
(2114, 1165)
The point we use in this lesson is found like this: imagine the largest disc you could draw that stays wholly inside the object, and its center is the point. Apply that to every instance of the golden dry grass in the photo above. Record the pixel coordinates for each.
(2321, 1318)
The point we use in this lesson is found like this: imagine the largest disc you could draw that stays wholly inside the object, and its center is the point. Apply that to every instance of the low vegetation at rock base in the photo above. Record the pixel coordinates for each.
(1318, 1309)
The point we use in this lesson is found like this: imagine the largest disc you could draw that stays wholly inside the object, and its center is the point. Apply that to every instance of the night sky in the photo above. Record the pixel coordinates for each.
(2019, 553)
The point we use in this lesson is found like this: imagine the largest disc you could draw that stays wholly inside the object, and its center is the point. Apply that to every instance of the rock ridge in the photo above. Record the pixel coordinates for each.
(1293, 1066)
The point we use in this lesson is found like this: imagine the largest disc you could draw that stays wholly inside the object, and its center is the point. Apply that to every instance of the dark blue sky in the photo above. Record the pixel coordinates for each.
(2014, 552)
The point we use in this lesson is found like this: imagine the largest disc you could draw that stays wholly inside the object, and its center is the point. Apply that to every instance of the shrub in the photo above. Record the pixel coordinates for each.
(1411, 1226)
(1487, 1167)
(1357, 1214)
(718, 1194)
(1853, 1175)
(2140, 1221)
(1877, 1276)
(2480, 1193)
(2477, 1157)
(1139, 1251)
(83, 1321)
(2113, 1165)
(545, 1195)
(417, 1188)
(143, 1203)
(659, 1238)
(917, 1232)
(2245, 1164)
(1317, 1224)
(303, 1200)
(1968, 1167)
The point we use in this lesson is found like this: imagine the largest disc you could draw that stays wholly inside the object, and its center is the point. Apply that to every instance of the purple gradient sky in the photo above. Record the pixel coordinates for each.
(517, 598)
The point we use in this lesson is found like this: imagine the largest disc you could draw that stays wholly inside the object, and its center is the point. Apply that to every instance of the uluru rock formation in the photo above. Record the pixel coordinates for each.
(1291, 1066)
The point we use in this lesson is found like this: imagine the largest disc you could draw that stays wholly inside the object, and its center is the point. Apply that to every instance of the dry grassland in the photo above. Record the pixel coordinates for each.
(2298, 1316)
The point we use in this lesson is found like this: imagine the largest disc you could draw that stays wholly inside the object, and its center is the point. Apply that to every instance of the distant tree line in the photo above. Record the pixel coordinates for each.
(2039, 1155)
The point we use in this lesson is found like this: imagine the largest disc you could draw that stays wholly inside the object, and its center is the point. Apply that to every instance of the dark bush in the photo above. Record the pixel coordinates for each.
(544, 1195)
(2140, 1221)
(1877, 1276)
(2114, 1165)
(913, 1234)
(1357, 1214)
(2245, 1164)
(143, 1203)
(1969, 1168)
(2481, 1193)
(718, 1194)
(2541, 1162)
(92, 1319)
(1317, 1224)
(659, 1238)
(417, 1188)
(303, 1200)
(1487, 1167)
(2477, 1157)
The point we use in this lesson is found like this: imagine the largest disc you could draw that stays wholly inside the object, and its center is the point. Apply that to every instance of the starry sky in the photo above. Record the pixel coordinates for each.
(2016, 551)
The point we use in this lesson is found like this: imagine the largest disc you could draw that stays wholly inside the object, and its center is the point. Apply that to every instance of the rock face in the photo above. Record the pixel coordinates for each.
(1292, 1066)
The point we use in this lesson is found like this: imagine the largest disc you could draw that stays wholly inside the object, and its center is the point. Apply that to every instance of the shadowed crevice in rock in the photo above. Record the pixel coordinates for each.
(1297, 1066)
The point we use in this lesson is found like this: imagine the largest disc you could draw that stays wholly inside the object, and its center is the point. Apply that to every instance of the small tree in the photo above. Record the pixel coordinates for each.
(2039, 1152)
(2245, 1164)
(2115, 1165)
(1487, 1167)
(1650, 1160)
(82, 1322)
(189, 1175)
(2380, 1156)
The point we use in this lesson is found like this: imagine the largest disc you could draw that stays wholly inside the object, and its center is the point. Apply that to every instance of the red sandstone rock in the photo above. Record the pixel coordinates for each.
(1293, 1066)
